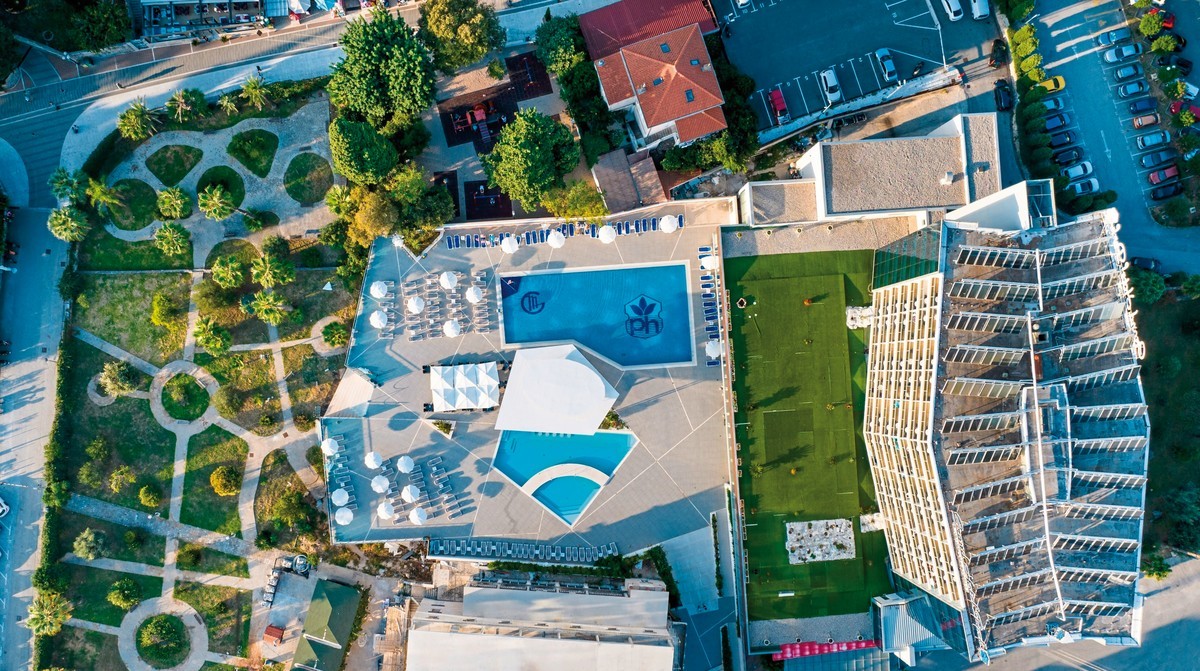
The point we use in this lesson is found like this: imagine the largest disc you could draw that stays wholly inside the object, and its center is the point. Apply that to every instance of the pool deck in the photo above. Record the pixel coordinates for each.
(668, 485)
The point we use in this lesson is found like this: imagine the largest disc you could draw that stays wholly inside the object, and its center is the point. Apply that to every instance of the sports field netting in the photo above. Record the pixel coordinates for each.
(800, 375)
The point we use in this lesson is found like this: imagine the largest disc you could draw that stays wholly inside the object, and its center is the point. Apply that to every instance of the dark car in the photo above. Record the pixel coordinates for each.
(1057, 121)
(1165, 192)
(1004, 95)
(999, 55)
(1061, 139)
(1142, 106)
(1145, 263)
(1069, 156)
(1158, 158)
(1172, 61)
(1128, 72)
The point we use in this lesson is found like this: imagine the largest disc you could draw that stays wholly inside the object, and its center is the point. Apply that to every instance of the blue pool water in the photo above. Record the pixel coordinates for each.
(521, 455)
(637, 316)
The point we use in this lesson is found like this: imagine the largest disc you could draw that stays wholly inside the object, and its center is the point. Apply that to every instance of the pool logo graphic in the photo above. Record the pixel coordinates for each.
(532, 303)
(643, 317)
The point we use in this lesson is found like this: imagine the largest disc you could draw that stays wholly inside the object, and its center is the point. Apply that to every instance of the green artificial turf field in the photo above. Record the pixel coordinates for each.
(800, 378)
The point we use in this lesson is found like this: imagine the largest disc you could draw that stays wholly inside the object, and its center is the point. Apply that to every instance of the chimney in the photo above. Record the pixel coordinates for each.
(707, 67)
(948, 178)
(641, 89)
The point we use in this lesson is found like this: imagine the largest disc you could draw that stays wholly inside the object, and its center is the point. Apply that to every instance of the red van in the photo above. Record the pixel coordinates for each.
(779, 107)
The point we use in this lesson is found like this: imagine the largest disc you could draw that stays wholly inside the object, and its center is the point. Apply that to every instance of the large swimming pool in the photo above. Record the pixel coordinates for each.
(632, 316)
(562, 472)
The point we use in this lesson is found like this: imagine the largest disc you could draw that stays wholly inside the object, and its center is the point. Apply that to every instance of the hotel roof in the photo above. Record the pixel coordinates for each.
(607, 29)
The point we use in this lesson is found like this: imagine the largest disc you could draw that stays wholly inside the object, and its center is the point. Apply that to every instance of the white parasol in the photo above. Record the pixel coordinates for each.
(474, 295)
(340, 497)
(418, 516)
(343, 516)
(448, 280)
(415, 304)
(556, 239)
(713, 349)
(329, 446)
(405, 464)
(379, 319)
(669, 224)
(710, 262)
(379, 290)
(509, 245)
(451, 328)
(410, 493)
(386, 510)
(373, 460)
(607, 234)
(379, 484)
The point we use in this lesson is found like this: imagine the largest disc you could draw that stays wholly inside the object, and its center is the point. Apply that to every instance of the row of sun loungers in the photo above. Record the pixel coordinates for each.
(712, 312)
(531, 552)
(539, 236)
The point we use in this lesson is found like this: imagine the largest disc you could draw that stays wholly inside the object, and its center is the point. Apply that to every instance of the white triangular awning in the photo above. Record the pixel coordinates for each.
(554, 390)
(352, 395)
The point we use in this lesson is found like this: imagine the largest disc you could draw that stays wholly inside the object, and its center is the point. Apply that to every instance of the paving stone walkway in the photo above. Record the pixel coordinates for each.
(197, 633)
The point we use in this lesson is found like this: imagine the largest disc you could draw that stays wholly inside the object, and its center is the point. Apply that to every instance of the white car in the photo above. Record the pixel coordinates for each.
(830, 87)
(1077, 171)
(3, 508)
(953, 9)
(980, 9)
(1086, 187)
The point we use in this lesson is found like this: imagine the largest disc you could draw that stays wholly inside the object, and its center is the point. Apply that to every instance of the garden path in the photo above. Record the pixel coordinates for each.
(197, 632)
(116, 352)
(158, 571)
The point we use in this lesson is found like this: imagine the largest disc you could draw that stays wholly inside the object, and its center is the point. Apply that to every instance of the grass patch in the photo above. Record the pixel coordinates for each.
(87, 590)
(312, 303)
(311, 380)
(193, 557)
(252, 393)
(309, 253)
(101, 251)
(314, 456)
(244, 250)
(254, 149)
(139, 205)
(151, 549)
(800, 391)
(307, 178)
(84, 650)
(224, 307)
(226, 176)
(170, 164)
(118, 310)
(226, 613)
(276, 480)
(184, 398)
(202, 507)
(213, 666)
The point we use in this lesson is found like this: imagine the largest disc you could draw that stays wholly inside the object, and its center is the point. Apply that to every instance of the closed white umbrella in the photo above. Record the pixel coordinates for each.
(448, 280)
(379, 319)
(379, 290)
(373, 460)
(386, 510)
(379, 483)
(329, 446)
(343, 516)
(405, 464)
(415, 304)
(509, 245)
(669, 224)
(710, 262)
(340, 497)
(556, 239)
(474, 295)
(607, 234)
(451, 328)
(410, 493)
(713, 349)
(418, 516)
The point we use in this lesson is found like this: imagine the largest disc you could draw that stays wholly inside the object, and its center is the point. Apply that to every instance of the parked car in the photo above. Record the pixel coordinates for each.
(1114, 37)
(1149, 140)
(1167, 174)
(1145, 121)
(1142, 105)
(1126, 72)
(779, 106)
(1004, 95)
(1077, 171)
(1054, 84)
(1133, 89)
(1164, 192)
(1054, 104)
(1158, 158)
(1068, 156)
(3, 508)
(1172, 61)
(1180, 41)
(999, 55)
(1123, 52)
(953, 9)
(980, 10)
(1057, 121)
(1061, 139)
(830, 87)
(1085, 187)
(1168, 19)
(1145, 263)
(887, 65)
(1179, 105)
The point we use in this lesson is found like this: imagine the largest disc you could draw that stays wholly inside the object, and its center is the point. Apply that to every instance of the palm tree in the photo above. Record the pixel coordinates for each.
(269, 307)
(48, 613)
(254, 92)
(340, 201)
(228, 272)
(137, 122)
(172, 239)
(270, 271)
(180, 106)
(68, 224)
(216, 203)
(173, 203)
(228, 104)
(212, 337)
(68, 186)
(102, 196)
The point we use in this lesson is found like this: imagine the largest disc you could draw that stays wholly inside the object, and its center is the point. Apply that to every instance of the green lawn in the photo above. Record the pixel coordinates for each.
(307, 178)
(101, 251)
(276, 480)
(202, 507)
(254, 149)
(226, 613)
(244, 250)
(312, 303)
(118, 310)
(87, 590)
(170, 164)
(139, 204)
(224, 307)
(311, 380)
(193, 557)
(227, 177)
(184, 398)
(151, 550)
(83, 650)
(799, 387)
(316, 459)
(212, 666)
(310, 253)
(250, 377)
(172, 644)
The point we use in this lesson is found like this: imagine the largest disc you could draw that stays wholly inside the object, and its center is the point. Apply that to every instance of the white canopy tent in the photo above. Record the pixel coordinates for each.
(607, 234)
(554, 390)
(415, 304)
(470, 386)
(380, 484)
(379, 290)
(340, 497)
(343, 516)
(352, 395)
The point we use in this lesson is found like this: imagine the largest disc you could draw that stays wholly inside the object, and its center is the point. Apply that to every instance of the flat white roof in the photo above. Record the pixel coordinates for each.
(554, 390)
(640, 608)
(460, 651)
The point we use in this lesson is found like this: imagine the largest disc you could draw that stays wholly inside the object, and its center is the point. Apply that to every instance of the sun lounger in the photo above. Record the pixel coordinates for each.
(706, 278)
(637, 226)
(714, 336)
(681, 221)
(707, 285)
(710, 304)
(704, 250)
(708, 295)
(627, 228)
(713, 362)
(592, 230)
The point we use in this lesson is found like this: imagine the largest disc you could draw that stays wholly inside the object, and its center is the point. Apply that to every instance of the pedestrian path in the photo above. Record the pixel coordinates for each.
(116, 352)
(160, 526)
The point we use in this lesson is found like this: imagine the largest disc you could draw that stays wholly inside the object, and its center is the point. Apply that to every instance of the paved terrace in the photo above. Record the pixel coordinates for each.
(668, 485)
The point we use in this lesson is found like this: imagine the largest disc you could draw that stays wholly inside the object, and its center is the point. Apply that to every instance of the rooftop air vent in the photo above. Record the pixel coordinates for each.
(600, 62)
(666, 48)
(695, 61)
(948, 178)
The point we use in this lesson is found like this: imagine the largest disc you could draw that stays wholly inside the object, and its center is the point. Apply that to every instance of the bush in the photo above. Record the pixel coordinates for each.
(1025, 48)
(91, 475)
(121, 478)
(134, 539)
(1033, 111)
(116, 379)
(1031, 63)
(1164, 45)
(163, 311)
(88, 544)
(226, 480)
(1148, 287)
(1025, 33)
(125, 594)
(228, 401)
(336, 334)
(1176, 89)
(495, 69)
(1034, 95)
(1150, 25)
(149, 496)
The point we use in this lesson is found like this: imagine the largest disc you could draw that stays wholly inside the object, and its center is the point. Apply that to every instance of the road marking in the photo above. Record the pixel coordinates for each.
(911, 18)
(889, 5)
(856, 80)
(877, 82)
(803, 98)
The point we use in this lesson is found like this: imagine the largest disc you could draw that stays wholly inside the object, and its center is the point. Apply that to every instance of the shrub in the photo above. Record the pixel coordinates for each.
(125, 594)
(1176, 89)
(91, 475)
(1033, 111)
(134, 538)
(1147, 286)
(116, 379)
(228, 401)
(1155, 566)
(98, 449)
(1164, 44)
(1185, 118)
(1150, 25)
(226, 481)
(149, 496)
(165, 634)
(1025, 33)
(163, 311)
(121, 478)
(1031, 63)
(88, 544)
(1034, 95)
(336, 334)
(1025, 48)
(495, 69)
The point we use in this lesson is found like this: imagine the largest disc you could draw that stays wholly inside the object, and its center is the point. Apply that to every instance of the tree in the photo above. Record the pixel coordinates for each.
(1164, 44)
(163, 310)
(137, 122)
(102, 197)
(173, 203)
(339, 201)
(179, 106)
(360, 153)
(88, 544)
(530, 158)
(386, 71)
(228, 272)
(1150, 25)
(216, 203)
(270, 271)
(116, 379)
(212, 336)
(1147, 286)
(172, 239)
(226, 481)
(376, 216)
(101, 25)
(560, 44)
(254, 92)
(149, 496)
(48, 612)
(1181, 515)
(1191, 287)
(228, 104)
(68, 224)
(125, 594)
(269, 307)
(577, 200)
(121, 478)
(68, 186)
(1155, 566)
(434, 208)
(459, 32)
(290, 510)
(336, 334)
(1185, 118)
(1176, 89)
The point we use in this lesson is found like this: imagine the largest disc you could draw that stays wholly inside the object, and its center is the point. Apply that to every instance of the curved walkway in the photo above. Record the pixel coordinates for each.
(197, 632)
(164, 374)
(563, 471)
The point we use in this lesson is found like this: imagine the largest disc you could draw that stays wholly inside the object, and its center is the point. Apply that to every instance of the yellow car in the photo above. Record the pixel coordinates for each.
(1054, 84)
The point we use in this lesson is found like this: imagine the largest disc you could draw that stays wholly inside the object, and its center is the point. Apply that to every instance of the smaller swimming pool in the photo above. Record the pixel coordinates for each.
(562, 472)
